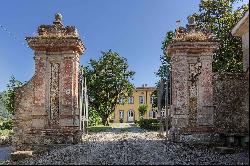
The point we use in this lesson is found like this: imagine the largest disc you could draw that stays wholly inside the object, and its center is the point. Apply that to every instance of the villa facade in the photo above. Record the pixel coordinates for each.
(127, 109)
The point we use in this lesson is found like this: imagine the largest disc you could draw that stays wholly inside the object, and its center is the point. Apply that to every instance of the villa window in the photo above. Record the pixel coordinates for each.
(141, 99)
(151, 100)
(163, 112)
(121, 114)
(130, 115)
(152, 114)
(131, 100)
(121, 101)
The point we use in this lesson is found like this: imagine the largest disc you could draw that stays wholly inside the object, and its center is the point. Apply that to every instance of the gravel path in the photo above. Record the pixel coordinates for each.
(135, 146)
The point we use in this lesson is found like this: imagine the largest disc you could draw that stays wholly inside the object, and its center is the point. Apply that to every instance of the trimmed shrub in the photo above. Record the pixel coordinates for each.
(149, 124)
(94, 118)
(8, 124)
(142, 110)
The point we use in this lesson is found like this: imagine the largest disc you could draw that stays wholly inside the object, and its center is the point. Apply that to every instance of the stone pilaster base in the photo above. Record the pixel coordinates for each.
(197, 138)
(46, 137)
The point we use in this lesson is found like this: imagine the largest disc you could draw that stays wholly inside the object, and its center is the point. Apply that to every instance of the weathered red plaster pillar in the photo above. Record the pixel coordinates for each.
(46, 107)
(192, 91)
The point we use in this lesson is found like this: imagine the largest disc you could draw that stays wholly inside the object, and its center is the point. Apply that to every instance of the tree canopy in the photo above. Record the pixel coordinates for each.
(108, 80)
(164, 70)
(219, 17)
(7, 97)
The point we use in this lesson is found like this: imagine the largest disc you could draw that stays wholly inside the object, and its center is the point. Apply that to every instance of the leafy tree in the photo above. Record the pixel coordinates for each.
(164, 69)
(7, 125)
(7, 98)
(3, 113)
(219, 17)
(94, 118)
(155, 101)
(167, 40)
(107, 81)
(142, 110)
(149, 124)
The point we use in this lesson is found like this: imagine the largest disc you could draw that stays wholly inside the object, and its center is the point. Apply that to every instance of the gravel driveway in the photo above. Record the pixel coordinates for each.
(132, 145)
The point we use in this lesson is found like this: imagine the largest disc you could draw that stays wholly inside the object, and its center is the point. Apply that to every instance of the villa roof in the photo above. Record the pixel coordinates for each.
(144, 88)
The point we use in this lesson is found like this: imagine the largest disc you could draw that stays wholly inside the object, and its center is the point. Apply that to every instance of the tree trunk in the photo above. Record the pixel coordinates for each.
(105, 120)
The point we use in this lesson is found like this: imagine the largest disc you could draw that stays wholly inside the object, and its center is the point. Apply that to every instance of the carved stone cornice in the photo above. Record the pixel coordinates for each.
(193, 36)
(191, 40)
(191, 47)
(56, 38)
(55, 44)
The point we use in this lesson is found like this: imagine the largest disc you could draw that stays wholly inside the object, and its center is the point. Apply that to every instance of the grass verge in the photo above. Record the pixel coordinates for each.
(6, 132)
(99, 128)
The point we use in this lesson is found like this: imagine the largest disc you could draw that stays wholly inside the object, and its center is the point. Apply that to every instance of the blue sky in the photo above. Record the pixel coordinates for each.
(133, 28)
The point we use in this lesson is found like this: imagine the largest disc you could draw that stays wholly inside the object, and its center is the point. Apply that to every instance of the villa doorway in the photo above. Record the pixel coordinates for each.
(130, 116)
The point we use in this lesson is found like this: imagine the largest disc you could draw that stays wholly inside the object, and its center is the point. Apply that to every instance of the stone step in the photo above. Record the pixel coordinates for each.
(224, 150)
(19, 155)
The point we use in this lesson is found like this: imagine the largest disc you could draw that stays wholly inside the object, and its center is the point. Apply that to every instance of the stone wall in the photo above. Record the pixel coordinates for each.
(245, 48)
(241, 29)
(230, 104)
(24, 99)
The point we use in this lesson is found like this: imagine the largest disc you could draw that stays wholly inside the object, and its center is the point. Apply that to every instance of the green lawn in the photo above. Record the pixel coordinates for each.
(101, 128)
(114, 125)
(98, 128)
(125, 130)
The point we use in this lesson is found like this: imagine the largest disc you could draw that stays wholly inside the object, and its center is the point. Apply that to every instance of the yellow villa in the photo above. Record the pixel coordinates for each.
(127, 110)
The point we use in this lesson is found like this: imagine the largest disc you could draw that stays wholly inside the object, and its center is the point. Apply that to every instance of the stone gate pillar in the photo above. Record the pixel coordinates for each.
(46, 107)
(192, 91)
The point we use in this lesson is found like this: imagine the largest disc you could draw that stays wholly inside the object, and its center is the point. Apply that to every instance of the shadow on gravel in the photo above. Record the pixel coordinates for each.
(139, 152)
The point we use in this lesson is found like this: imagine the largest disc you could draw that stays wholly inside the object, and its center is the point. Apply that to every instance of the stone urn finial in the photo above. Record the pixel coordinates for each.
(191, 20)
(191, 23)
(58, 19)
